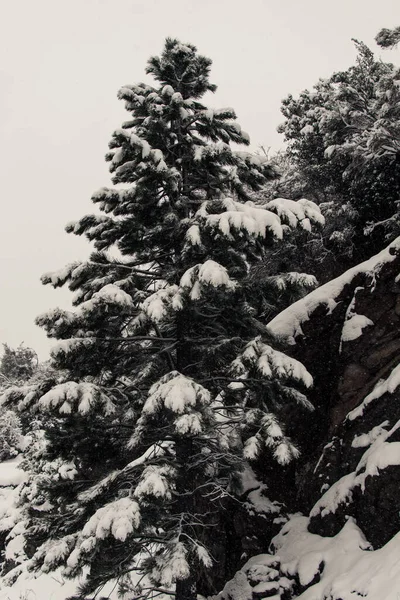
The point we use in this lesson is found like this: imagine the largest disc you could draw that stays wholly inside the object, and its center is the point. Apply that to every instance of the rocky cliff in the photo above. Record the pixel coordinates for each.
(341, 539)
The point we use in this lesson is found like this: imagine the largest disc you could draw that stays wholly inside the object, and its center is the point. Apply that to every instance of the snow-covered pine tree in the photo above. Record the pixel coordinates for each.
(164, 355)
(343, 138)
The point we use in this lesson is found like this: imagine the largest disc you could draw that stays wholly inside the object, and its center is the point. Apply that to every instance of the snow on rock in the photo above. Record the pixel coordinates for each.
(379, 455)
(354, 323)
(384, 386)
(365, 440)
(288, 324)
(342, 567)
(238, 588)
(259, 576)
(353, 327)
(339, 493)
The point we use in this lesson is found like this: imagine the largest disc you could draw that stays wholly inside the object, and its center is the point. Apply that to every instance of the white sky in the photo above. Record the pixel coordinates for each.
(62, 64)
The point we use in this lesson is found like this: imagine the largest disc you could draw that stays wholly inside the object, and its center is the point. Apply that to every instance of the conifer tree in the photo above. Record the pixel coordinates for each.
(344, 140)
(388, 38)
(169, 382)
(17, 364)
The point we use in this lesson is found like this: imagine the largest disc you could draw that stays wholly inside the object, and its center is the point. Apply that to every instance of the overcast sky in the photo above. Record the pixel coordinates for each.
(62, 64)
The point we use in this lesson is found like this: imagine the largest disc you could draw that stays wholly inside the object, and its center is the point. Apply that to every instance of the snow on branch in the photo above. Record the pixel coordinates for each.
(58, 278)
(109, 294)
(177, 393)
(155, 451)
(72, 397)
(117, 519)
(172, 564)
(183, 398)
(248, 218)
(270, 363)
(156, 480)
(198, 278)
(162, 302)
(301, 213)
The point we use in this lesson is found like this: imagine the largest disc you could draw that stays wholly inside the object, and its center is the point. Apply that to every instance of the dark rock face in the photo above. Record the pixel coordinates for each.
(350, 466)
(356, 366)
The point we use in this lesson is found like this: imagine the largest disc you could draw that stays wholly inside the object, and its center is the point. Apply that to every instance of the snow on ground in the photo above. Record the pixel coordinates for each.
(288, 324)
(45, 587)
(50, 586)
(10, 474)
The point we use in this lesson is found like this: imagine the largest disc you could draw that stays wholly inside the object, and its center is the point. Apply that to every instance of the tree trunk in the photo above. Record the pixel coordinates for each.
(186, 589)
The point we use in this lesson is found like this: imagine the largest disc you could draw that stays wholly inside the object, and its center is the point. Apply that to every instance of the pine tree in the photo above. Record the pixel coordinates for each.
(169, 380)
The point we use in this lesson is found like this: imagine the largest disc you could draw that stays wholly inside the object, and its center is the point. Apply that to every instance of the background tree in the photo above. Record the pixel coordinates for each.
(343, 137)
(168, 375)
(17, 364)
(388, 38)
(324, 252)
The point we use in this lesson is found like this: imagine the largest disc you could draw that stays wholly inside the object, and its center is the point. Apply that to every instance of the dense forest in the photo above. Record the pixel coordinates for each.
(218, 417)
